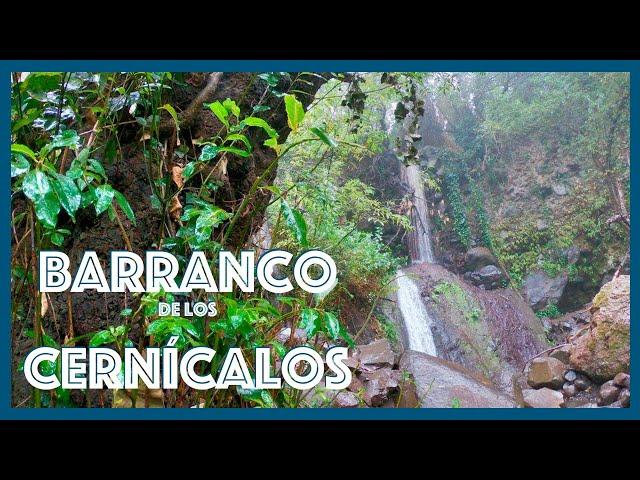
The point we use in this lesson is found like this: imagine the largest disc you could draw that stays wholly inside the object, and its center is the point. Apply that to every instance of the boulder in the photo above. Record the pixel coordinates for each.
(546, 372)
(562, 354)
(541, 290)
(622, 380)
(346, 399)
(608, 393)
(478, 257)
(603, 351)
(542, 398)
(376, 354)
(442, 384)
(488, 277)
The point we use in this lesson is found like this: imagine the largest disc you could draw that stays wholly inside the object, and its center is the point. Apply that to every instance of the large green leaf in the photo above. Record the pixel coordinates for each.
(101, 338)
(35, 185)
(23, 150)
(220, 112)
(104, 197)
(47, 209)
(68, 194)
(260, 123)
(295, 222)
(231, 107)
(124, 205)
(295, 111)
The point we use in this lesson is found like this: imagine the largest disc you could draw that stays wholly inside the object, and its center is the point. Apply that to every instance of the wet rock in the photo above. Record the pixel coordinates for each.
(346, 399)
(356, 385)
(603, 351)
(562, 354)
(377, 354)
(543, 398)
(570, 376)
(608, 393)
(569, 389)
(440, 384)
(408, 395)
(625, 398)
(299, 336)
(622, 380)
(379, 384)
(487, 277)
(542, 290)
(478, 257)
(582, 382)
(546, 372)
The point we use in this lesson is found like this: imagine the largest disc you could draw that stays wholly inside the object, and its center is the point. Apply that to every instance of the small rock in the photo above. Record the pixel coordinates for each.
(608, 393)
(559, 189)
(478, 257)
(299, 337)
(379, 384)
(570, 376)
(569, 390)
(582, 382)
(546, 372)
(625, 398)
(356, 385)
(622, 380)
(542, 398)
(562, 353)
(346, 399)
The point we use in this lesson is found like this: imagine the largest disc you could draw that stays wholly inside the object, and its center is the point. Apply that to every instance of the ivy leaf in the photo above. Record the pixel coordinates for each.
(189, 170)
(332, 325)
(124, 206)
(35, 185)
(260, 123)
(68, 194)
(104, 197)
(322, 135)
(208, 152)
(97, 167)
(310, 321)
(101, 338)
(295, 111)
(295, 222)
(66, 139)
(23, 150)
(219, 111)
(19, 166)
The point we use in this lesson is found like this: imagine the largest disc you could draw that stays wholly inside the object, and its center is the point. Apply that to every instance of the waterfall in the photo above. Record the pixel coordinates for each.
(417, 320)
(419, 240)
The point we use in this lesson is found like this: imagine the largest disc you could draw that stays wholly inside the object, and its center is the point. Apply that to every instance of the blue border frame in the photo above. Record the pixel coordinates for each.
(7, 66)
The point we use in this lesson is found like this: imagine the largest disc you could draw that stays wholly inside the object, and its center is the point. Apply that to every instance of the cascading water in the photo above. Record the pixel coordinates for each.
(420, 238)
(416, 318)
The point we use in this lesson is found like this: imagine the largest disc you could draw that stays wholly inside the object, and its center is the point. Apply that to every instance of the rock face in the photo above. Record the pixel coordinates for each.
(603, 351)
(546, 372)
(542, 290)
(442, 384)
(478, 257)
(542, 398)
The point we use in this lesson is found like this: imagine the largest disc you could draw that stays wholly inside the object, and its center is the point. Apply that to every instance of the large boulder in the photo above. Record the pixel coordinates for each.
(443, 384)
(542, 398)
(546, 372)
(603, 351)
(478, 257)
(542, 290)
